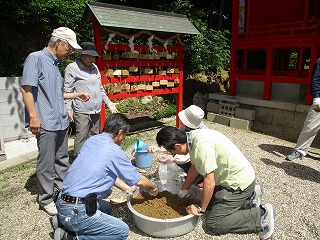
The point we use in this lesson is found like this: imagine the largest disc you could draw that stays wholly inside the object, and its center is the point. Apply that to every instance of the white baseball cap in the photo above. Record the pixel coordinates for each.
(191, 116)
(67, 34)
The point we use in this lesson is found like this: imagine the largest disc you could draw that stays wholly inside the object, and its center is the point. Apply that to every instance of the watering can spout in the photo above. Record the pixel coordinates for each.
(138, 146)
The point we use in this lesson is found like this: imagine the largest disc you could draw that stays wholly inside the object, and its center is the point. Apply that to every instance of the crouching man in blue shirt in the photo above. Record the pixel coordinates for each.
(93, 173)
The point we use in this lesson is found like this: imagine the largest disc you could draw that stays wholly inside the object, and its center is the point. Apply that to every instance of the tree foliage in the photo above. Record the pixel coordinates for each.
(26, 26)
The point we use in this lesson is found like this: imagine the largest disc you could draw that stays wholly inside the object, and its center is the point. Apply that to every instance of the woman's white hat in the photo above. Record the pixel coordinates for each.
(191, 116)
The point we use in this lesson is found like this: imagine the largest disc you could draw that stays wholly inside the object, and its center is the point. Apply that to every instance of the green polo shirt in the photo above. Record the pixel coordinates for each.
(212, 151)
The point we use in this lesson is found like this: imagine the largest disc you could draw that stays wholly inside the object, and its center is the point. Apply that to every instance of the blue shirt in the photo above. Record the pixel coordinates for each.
(97, 166)
(41, 71)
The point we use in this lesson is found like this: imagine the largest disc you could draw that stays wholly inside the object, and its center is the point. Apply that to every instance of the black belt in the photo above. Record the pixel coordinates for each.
(70, 199)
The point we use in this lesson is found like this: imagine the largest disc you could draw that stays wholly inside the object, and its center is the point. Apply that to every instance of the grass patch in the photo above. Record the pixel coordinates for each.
(168, 111)
(4, 182)
(128, 142)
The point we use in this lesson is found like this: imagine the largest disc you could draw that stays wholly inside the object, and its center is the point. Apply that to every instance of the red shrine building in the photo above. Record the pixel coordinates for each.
(274, 45)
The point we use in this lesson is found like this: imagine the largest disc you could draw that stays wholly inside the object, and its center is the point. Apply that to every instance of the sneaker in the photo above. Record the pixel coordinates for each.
(256, 199)
(267, 222)
(50, 208)
(294, 155)
(61, 234)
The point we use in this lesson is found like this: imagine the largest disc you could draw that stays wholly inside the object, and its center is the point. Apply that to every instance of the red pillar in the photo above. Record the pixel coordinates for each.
(233, 52)
(100, 47)
(267, 80)
(179, 95)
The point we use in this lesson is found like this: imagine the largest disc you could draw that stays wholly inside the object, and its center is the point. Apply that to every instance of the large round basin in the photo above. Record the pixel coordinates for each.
(167, 227)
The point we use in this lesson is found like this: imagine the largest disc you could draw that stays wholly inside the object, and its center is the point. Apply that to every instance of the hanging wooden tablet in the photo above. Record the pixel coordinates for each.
(149, 87)
(170, 84)
(117, 72)
(148, 71)
(176, 70)
(133, 69)
(134, 55)
(106, 57)
(163, 82)
(107, 72)
(125, 73)
(155, 84)
(115, 57)
(162, 72)
(116, 88)
(125, 87)
(170, 70)
(134, 87)
(141, 86)
(125, 54)
(163, 54)
(176, 81)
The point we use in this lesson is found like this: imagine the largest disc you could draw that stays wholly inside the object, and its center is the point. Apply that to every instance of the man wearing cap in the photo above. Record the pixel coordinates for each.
(84, 75)
(46, 115)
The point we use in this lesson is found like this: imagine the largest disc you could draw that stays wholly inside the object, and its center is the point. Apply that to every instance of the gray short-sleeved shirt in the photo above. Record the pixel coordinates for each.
(78, 78)
(41, 71)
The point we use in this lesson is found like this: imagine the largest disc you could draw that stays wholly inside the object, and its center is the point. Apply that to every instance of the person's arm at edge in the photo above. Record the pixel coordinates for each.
(191, 177)
(82, 96)
(146, 184)
(28, 100)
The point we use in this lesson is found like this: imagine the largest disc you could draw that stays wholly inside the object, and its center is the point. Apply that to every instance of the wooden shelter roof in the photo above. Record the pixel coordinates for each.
(130, 20)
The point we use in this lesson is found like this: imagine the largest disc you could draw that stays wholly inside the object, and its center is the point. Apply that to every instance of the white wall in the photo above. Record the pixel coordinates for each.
(12, 109)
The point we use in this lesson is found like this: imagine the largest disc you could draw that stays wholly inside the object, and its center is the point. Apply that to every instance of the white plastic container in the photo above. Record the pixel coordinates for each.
(167, 227)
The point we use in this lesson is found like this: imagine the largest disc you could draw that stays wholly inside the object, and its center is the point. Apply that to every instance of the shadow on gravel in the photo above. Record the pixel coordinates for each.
(32, 185)
(143, 124)
(283, 151)
(277, 150)
(295, 170)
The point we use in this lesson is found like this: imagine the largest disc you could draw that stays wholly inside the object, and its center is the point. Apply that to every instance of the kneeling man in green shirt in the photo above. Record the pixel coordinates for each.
(230, 197)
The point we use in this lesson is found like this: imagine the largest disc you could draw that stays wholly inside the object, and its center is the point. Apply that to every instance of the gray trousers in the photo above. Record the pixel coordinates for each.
(52, 163)
(227, 215)
(86, 126)
(309, 131)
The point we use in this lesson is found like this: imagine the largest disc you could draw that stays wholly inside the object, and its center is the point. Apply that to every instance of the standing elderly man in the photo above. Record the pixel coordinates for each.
(84, 75)
(229, 181)
(100, 163)
(46, 115)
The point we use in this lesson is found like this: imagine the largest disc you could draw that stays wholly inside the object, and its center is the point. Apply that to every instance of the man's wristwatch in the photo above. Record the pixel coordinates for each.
(200, 211)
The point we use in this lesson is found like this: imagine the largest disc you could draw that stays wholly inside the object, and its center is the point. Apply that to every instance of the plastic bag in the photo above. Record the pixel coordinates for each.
(170, 171)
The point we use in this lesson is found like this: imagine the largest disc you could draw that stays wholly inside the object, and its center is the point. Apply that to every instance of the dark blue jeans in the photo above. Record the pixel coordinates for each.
(101, 225)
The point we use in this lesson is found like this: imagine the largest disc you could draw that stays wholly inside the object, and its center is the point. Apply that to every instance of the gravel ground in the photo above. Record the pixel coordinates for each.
(293, 187)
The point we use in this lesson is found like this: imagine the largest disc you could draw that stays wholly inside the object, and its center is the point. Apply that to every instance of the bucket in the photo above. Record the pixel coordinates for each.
(143, 158)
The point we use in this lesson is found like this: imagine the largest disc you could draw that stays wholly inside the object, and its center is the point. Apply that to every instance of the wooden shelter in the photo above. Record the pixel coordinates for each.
(274, 42)
(135, 70)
